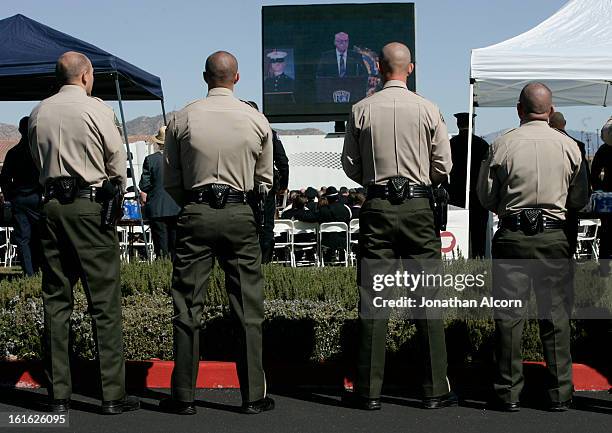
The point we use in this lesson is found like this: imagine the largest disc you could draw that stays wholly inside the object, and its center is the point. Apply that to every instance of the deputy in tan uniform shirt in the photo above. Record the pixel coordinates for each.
(217, 149)
(532, 175)
(76, 145)
(396, 135)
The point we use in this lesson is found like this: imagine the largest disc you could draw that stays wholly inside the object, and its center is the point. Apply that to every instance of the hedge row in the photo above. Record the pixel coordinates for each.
(310, 315)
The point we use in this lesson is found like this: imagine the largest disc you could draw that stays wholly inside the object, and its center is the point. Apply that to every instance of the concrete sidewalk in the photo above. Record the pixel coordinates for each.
(316, 412)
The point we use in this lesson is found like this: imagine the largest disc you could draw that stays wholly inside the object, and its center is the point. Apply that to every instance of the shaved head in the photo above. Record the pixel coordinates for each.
(71, 66)
(221, 70)
(395, 61)
(557, 120)
(536, 100)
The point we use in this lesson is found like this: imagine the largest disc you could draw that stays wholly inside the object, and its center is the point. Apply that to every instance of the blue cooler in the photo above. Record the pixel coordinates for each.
(131, 210)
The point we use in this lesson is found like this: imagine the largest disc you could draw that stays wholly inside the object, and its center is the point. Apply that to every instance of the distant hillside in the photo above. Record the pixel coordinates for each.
(8, 132)
(303, 131)
(144, 125)
(590, 139)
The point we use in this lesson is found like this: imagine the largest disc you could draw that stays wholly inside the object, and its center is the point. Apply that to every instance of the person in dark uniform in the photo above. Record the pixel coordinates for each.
(530, 188)
(20, 187)
(277, 81)
(557, 121)
(77, 148)
(335, 211)
(279, 186)
(312, 196)
(160, 209)
(478, 215)
(601, 180)
(355, 201)
(217, 150)
(383, 154)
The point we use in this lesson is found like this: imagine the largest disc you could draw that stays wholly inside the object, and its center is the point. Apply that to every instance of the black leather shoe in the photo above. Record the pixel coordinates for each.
(178, 407)
(116, 407)
(504, 406)
(59, 406)
(356, 401)
(259, 406)
(560, 406)
(446, 400)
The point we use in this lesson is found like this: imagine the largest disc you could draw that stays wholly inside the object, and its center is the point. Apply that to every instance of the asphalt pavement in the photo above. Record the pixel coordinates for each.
(305, 411)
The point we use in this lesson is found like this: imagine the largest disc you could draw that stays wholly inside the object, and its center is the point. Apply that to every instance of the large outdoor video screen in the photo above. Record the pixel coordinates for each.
(318, 60)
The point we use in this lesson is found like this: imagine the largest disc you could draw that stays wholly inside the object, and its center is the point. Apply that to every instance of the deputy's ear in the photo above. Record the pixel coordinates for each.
(237, 77)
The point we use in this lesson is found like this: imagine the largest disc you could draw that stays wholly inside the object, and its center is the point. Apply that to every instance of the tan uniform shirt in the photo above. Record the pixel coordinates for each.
(396, 132)
(219, 139)
(72, 134)
(533, 166)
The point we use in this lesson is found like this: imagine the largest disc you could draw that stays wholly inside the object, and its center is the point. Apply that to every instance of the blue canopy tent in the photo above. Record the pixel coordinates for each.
(29, 51)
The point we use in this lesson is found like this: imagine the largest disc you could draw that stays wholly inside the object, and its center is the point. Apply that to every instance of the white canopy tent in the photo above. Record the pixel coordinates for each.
(570, 52)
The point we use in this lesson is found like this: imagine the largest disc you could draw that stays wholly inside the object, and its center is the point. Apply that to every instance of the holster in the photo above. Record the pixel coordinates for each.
(110, 196)
(531, 221)
(439, 204)
(257, 201)
(63, 189)
(397, 189)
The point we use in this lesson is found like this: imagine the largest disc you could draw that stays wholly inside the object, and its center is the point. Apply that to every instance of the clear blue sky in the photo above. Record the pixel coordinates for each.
(172, 39)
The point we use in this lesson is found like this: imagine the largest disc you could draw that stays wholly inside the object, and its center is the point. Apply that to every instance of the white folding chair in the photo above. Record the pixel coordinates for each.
(334, 227)
(284, 228)
(353, 240)
(143, 240)
(10, 249)
(305, 247)
(124, 245)
(587, 239)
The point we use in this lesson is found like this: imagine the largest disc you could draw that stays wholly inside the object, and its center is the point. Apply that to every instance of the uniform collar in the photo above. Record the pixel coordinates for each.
(220, 91)
(395, 83)
(536, 123)
(72, 88)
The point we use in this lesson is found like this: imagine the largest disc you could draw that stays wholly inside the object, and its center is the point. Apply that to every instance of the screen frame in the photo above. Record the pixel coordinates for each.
(323, 116)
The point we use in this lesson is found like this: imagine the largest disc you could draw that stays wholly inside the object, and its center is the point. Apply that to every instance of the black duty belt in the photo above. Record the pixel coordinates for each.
(413, 191)
(217, 195)
(513, 223)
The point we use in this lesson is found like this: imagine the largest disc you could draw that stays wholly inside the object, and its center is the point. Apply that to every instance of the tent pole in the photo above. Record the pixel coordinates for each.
(469, 160)
(129, 158)
(164, 112)
(469, 147)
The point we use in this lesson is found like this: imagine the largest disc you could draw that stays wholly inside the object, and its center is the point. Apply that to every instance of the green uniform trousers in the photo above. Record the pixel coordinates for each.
(229, 234)
(540, 261)
(388, 232)
(75, 246)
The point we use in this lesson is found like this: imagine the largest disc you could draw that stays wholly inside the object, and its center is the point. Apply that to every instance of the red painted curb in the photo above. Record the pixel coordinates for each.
(214, 374)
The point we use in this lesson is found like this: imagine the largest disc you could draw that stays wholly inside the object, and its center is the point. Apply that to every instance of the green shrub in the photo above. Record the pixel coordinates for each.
(310, 315)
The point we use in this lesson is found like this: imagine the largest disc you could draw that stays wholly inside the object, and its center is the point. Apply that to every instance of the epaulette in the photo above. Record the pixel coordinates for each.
(103, 103)
(509, 130)
(192, 102)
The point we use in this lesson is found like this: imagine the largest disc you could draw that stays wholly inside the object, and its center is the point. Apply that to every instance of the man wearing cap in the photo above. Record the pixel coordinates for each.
(341, 62)
(478, 216)
(557, 121)
(601, 179)
(531, 176)
(218, 151)
(80, 155)
(277, 81)
(398, 162)
(159, 209)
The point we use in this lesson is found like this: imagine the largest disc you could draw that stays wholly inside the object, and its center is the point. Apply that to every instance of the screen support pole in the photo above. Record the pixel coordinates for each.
(340, 127)
(164, 112)
(131, 163)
